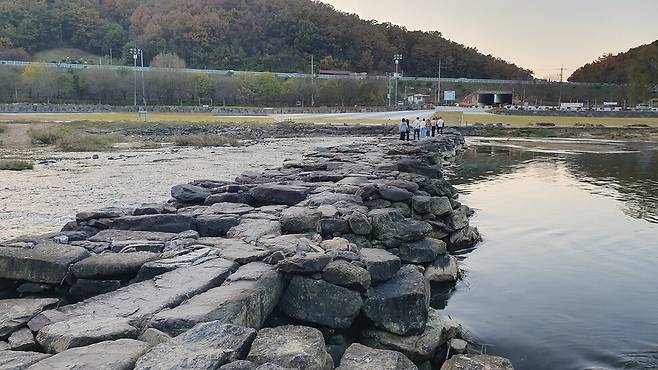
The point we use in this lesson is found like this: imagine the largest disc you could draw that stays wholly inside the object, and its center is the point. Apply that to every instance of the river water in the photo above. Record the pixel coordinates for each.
(567, 275)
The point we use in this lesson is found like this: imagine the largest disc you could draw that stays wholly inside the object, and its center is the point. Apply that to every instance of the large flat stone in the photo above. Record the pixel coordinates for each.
(360, 357)
(140, 301)
(246, 299)
(205, 346)
(236, 250)
(45, 263)
(279, 194)
(110, 236)
(296, 347)
(15, 313)
(251, 230)
(381, 264)
(83, 331)
(158, 223)
(190, 194)
(477, 362)
(154, 268)
(319, 302)
(114, 355)
(112, 265)
(19, 360)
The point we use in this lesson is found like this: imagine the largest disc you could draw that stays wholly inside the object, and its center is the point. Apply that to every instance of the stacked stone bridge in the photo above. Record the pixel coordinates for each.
(324, 263)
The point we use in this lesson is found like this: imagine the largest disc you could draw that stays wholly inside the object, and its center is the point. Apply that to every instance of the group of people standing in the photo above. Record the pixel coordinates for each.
(421, 129)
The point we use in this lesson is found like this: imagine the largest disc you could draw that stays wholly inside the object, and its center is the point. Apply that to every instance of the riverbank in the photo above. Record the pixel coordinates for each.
(320, 262)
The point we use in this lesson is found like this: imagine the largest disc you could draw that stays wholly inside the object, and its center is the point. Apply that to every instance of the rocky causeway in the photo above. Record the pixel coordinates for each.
(327, 262)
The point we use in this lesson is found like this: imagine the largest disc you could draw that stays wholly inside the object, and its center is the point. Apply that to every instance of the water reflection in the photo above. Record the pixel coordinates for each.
(565, 276)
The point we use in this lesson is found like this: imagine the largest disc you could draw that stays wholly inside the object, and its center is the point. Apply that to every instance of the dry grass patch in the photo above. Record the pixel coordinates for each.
(15, 165)
(72, 140)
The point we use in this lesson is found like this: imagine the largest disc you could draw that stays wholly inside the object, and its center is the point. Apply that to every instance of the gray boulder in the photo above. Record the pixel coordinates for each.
(19, 360)
(389, 225)
(279, 194)
(400, 305)
(440, 206)
(381, 264)
(251, 230)
(338, 245)
(421, 204)
(14, 313)
(328, 227)
(215, 225)
(83, 331)
(477, 362)
(206, 346)
(296, 347)
(112, 265)
(190, 194)
(360, 357)
(140, 301)
(154, 337)
(22, 340)
(45, 263)
(298, 220)
(247, 298)
(304, 263)
(359, 224)
(394, 194)
(319, 302)
(124, 236)
(230, 208)
(242, 198)
(154, 209)
(422, 347)
(109, 212)
(157, 223)
(348, 275)
(413, 165)
(422, 251)
(443, 270)
(115, 355)
(465, 238)
(328, 198)
(83, 288)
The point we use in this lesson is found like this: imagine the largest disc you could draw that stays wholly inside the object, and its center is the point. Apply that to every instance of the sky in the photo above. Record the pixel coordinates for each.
(541, 35)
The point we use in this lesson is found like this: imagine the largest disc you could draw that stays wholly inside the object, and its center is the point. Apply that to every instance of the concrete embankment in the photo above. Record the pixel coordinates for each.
(324, 263)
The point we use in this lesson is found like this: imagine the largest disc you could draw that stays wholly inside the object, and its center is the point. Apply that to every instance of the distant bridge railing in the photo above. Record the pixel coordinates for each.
(228, 72)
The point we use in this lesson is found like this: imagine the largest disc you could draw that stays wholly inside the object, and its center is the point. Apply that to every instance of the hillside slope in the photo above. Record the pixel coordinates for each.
(276, 35)
(617, 68)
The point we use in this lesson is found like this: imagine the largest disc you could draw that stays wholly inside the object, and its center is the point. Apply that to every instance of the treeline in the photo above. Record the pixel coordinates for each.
(264, 35)
(37, 83)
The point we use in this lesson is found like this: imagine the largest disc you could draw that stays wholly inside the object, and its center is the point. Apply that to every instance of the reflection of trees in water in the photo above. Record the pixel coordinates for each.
(487, 162)
(633, 176)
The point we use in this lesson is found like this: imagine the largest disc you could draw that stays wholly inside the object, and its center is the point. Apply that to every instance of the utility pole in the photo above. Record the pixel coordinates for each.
(397, 58)
(111, 63)
(312, 80)
(438, 90)
(133, 51)
(389, 89)
(141, 54)
(561, 81)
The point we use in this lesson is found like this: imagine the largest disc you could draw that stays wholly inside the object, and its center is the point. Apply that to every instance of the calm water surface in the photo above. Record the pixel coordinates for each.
(567, 277)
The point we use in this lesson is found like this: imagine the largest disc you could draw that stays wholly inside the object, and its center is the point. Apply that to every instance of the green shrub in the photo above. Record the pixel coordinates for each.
(15, 165)
(46, 136)
(205, 140)
(83, 142)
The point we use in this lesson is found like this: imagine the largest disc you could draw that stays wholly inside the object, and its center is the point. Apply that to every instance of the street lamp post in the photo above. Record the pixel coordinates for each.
(397, 58)
(137, 53)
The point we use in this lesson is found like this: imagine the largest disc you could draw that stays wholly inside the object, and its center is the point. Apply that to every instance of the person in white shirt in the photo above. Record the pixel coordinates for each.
(404, 130)
(416, 127)
(433, 127)
(440, 125)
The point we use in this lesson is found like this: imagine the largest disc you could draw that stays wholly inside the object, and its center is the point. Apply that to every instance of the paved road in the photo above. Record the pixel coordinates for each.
(393, 116)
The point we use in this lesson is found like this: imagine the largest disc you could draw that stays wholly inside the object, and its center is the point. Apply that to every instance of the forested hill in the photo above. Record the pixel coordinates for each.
(637, 63)
(275, 35)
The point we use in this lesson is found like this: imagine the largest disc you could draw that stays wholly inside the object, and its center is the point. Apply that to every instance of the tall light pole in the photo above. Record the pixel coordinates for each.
(397, 58)
(135, 53)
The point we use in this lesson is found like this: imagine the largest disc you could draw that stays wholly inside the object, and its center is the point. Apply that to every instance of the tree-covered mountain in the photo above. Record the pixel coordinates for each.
(274, 35)
(618, 68)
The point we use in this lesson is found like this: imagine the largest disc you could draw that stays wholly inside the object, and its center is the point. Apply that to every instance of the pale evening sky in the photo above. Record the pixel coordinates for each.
(540, 35)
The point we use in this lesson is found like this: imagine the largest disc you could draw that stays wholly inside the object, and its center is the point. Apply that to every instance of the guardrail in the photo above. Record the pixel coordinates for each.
(227, 72)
